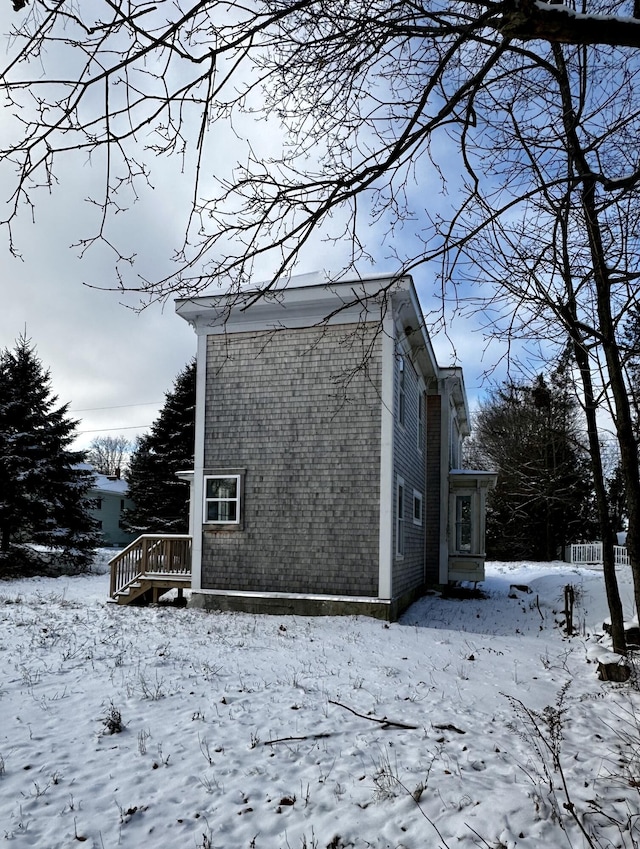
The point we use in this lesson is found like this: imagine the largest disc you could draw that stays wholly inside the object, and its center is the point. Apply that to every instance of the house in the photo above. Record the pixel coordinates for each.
(109, 498)
(328, 450)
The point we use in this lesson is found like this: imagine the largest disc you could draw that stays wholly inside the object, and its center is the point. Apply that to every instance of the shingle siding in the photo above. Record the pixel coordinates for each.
(408, 461)
(299, 412)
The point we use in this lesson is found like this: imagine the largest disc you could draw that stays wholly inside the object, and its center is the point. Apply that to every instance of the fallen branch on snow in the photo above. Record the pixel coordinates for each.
(384, 722)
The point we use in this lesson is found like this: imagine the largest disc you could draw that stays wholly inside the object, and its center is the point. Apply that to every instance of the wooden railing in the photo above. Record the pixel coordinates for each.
(165, 554)
(591, 552)
(586, 552)
(621, 555)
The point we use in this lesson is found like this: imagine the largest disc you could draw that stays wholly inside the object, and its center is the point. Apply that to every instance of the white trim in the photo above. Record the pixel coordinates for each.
(311, 596)
(445, 436)
(387, 419)
(401, 517)
(195, 519)
(236, 500)
(340, 302)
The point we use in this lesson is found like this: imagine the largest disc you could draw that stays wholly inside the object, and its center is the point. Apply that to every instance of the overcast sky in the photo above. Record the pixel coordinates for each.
(111, 362)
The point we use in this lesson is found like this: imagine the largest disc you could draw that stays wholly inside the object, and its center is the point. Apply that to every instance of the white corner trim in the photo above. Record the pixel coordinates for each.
(387, 489)
(198, 464)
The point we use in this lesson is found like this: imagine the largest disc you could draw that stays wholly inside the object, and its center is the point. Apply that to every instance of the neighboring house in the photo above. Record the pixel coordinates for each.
(109, 497)
(328, 446)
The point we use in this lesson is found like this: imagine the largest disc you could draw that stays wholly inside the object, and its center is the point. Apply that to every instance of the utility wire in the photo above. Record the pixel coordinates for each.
(101, 429)
(119, 407)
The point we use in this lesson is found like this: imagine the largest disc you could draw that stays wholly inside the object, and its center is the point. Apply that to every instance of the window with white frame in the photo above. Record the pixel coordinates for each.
(417, 507)
(400, 518)
(222, 499)
(464, 518)
(402, 391)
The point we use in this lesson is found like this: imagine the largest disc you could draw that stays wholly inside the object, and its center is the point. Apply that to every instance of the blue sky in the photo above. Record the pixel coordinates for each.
(112, 362)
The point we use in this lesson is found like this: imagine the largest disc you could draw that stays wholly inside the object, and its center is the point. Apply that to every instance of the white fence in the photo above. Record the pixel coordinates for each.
(584, 553)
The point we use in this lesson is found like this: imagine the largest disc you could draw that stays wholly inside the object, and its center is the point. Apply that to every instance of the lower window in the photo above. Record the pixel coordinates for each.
(463, 524)
(222, 499)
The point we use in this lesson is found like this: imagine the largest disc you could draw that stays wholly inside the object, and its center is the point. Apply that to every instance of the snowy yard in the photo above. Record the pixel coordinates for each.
(254, 731)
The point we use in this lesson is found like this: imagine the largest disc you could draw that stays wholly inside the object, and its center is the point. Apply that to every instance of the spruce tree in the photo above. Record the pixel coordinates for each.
(543, 499)
(43, 486)
(160, 498)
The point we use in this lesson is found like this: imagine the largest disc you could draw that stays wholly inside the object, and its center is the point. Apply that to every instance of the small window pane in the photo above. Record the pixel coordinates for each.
(463, 523)
(221, 511)
(222, 488)
(417, 508)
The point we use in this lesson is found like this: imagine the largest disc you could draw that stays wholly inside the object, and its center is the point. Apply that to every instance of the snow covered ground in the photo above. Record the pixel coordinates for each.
(262, 732)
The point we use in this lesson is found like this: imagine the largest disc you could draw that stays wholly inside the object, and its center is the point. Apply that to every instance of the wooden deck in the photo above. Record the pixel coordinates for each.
(149, 567)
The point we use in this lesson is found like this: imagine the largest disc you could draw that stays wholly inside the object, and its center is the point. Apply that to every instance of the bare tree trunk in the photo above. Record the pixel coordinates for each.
(623, 417)
(606, 340)
(608, 539)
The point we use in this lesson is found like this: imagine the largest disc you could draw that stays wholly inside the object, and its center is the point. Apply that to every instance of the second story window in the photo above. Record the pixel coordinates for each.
(402, 391)
(421, 406)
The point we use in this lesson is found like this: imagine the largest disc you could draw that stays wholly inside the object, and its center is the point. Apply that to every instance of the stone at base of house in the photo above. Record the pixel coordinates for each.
(305, 605)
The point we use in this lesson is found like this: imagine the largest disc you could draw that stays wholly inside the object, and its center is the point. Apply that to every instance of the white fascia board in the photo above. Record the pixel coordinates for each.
(454, 379)
(472, 478)
(410, 324)
(345, 302)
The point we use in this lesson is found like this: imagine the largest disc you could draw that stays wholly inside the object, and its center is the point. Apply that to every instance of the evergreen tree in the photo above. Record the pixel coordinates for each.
(43, 487)
(160, 498)
(543, 499)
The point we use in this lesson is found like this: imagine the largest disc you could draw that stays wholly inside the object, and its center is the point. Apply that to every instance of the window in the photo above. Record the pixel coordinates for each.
(421, 406)
(98, 504)
(402, 392)
(463, 523)
(417, 507)
(122, 503)
(222, 499)
(400, 519)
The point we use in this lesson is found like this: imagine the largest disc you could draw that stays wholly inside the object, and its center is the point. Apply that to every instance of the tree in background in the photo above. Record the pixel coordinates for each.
(108, 454)
(43, 488)
(161, 499)
(543, 499)
(355, 94)
(367, 105)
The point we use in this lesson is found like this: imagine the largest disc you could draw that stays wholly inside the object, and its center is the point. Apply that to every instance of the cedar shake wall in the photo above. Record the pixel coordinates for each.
(408, 462)
(299, 411)
(432, 502)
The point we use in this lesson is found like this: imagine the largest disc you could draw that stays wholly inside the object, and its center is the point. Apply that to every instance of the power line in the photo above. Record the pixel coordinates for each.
(119, 407)
(101, 429)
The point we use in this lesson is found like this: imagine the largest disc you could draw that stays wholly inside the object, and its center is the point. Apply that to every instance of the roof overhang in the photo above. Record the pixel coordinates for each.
(472, 479)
